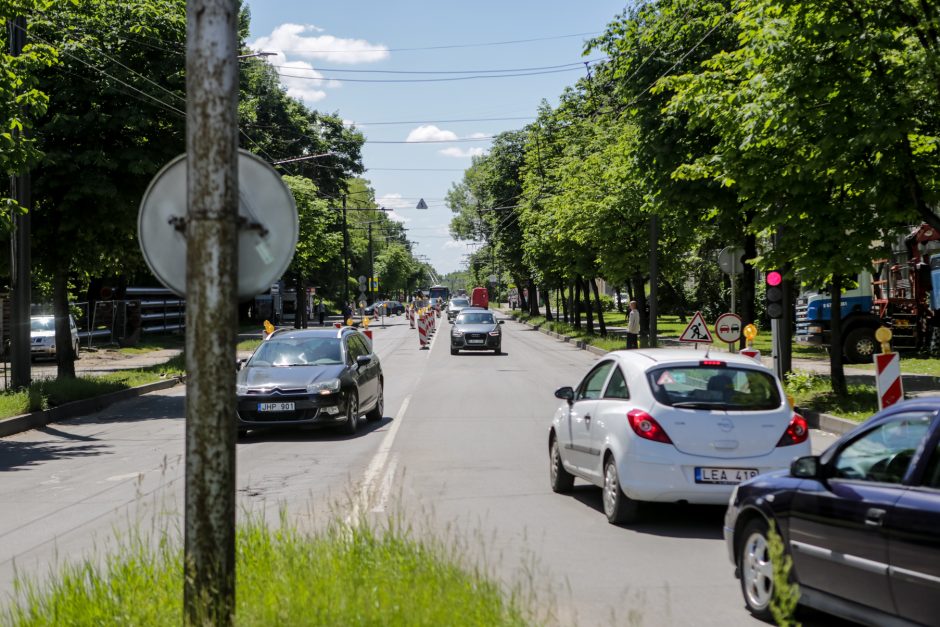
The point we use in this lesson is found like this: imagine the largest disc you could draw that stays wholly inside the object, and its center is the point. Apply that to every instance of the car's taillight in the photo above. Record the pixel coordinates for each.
(796, 433)
(646, 426)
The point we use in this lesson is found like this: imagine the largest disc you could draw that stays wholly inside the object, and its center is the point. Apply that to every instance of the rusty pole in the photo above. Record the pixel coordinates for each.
(211, 310)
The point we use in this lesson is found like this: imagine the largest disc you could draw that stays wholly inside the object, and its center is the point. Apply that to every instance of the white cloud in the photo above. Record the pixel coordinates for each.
(301, 80)
(303, 41)
(454, 244)
(395, 201)
(453, 151)
(430, 133)
(477, 135)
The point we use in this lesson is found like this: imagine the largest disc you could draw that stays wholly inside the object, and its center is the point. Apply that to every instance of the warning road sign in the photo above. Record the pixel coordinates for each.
(697, 331)
(728, 327)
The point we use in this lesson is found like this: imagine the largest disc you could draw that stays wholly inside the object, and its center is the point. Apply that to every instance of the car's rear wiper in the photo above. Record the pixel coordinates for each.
(700, 405)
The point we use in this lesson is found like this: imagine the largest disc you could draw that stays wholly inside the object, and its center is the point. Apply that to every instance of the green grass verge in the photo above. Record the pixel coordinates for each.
(912, 365)
(341, 576)
(812, 391)
(48, 393)
(156, 343)
(248, 345)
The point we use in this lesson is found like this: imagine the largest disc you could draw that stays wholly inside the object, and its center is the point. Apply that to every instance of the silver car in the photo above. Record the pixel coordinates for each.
(42, 336)
(476, 328)
(454, 307)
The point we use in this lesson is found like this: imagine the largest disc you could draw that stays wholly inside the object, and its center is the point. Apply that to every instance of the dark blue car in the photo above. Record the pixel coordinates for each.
(861, 522)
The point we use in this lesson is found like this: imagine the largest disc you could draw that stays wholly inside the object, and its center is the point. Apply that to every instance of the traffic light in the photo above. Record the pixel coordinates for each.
(773, 294)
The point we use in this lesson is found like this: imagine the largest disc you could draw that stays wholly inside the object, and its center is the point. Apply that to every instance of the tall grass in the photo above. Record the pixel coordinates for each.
(341, 576)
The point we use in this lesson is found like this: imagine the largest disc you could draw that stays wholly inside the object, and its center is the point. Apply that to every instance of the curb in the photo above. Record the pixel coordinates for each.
(827, 422)
(815, 419)
(35, 420)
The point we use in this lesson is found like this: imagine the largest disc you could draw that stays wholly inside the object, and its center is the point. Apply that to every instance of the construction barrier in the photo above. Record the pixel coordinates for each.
(411, 317)
(422, 332)
(753, 353)
(338, 325)
(888, 379)
(367, 333)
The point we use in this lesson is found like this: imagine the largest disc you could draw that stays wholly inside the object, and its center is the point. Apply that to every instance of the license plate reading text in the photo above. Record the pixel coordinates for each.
(728, 476)
(275, 407)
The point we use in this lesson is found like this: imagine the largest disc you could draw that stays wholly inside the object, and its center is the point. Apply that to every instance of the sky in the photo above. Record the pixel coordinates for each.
(370, 63)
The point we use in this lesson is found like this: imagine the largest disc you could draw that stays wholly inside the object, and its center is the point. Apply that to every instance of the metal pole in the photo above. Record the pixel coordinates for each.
(20, 297)
(371, 268)
(345, 257)
(211, 286)
(732, 276)
(654, 277)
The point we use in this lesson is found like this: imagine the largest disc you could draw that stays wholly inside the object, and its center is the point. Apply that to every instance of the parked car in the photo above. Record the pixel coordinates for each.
(326, 377)
(861, 522)
(42, 336)
(454, 307)
(671, 426)
(476, 329)
(385, 308)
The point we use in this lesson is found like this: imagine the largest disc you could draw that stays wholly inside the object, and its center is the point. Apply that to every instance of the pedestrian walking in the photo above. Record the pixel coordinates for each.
(321, 312)
(633, 326)
(347, 312)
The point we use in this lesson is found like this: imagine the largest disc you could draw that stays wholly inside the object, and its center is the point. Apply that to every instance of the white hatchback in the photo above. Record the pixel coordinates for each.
(672, 426)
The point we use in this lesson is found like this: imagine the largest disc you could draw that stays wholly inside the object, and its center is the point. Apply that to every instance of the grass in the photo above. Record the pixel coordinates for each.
(47, 393)
(912, 365)
(248, 345)
(812, 391)
(152, 344)
(340, 576)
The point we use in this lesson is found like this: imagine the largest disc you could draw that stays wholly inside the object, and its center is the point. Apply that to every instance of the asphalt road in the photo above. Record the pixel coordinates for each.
(461, 454)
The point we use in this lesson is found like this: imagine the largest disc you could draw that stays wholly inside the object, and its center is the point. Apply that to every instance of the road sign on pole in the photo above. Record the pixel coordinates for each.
(697, 331)
(728, 328)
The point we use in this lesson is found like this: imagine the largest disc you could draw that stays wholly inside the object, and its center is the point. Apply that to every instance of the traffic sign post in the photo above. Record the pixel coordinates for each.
(696, 331)
(728, 329)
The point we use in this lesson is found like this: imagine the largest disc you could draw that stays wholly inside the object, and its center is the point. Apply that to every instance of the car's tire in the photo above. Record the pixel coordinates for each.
(376, 412)
(562, 480)
(756, 570)
(498, 350)
(454, 351)
(242, 433)
(860, 346)
(618, 507)
(352, 414)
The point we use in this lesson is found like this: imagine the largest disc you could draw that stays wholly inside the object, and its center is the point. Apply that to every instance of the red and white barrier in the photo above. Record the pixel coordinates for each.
(888, 379)
(368, 333)
(411, 317)
(422, 333)
(753, 353)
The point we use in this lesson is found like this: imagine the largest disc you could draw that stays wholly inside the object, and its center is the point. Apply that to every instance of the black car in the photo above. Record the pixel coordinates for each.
(324, 377)
(385, 308)
(476, 328)
(861, 522)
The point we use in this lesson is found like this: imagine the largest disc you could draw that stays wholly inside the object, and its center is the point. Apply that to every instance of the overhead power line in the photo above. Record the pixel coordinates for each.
(450, 121)
(443, 47)
(488, 71)
(426, 80)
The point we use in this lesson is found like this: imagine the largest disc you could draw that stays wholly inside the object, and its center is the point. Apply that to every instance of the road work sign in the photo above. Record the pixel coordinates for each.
(697, 331)
(728, 327)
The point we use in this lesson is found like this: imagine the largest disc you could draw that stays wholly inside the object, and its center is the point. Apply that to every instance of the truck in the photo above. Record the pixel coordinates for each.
(901, 293)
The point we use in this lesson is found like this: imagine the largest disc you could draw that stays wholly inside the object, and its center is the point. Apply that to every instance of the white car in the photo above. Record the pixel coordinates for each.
(672, 426)
(42, 336)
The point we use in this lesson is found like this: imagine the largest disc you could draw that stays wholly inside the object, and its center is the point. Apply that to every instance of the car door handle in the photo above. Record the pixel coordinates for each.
(875, 517)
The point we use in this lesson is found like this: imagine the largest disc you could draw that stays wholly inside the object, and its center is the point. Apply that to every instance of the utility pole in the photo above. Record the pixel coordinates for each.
(371, 267)
(20, 275)
(211, 310)
(345, 256)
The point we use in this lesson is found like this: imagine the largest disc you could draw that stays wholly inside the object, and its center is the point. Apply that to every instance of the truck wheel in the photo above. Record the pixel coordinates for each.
(860, 346)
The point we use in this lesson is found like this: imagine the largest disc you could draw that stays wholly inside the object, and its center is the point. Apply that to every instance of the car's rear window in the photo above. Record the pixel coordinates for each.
(707, 387)
(299, 352)
(460, 301)
(475, 318)
(42, 324)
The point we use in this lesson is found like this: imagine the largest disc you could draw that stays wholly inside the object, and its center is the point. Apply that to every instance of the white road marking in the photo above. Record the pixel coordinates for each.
(130, 475)
(361, 502)
(385, 490)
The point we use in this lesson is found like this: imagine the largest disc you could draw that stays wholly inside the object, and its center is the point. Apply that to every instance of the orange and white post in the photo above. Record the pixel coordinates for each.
(887, 371)
(422, 332)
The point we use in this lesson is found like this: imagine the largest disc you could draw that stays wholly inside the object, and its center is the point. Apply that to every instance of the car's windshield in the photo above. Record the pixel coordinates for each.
(460, 302)
(42, 324)
(476, 318)
(707, 387)
(317, 351)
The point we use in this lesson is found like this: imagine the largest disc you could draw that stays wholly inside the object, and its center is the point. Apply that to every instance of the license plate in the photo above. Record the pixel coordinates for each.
(726, 476)
(275, 407)
(474, 341)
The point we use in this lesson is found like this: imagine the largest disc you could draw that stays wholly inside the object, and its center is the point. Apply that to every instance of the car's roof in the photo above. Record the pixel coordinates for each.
(474, 308)
(299, 334)
(652, 357)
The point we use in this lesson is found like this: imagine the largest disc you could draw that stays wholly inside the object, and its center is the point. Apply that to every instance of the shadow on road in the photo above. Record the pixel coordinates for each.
(318, 434)
(150, 407)
(17, 455)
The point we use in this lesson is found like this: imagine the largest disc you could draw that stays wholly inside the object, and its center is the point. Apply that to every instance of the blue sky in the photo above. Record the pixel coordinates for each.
(316, 40)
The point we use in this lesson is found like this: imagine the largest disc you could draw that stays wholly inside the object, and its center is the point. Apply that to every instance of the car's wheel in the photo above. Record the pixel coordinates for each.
(756, 569)
(454, 351)
(618, 507)
(242, 433)
(376, 412)
(562, 480)
(860, 346)
(498, 350)
(352, 414)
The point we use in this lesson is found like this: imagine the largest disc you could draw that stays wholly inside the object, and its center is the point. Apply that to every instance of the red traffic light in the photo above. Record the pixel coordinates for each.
(773, 278)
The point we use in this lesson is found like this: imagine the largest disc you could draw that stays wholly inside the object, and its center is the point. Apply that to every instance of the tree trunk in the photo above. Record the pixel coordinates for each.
(639, 295)
(600, 309)
(564, 305)
(588, 309)
(619, 299)
(837, 372)
(533, 299)
(748, 286)
(64, 350)
(523, 302)
(548, 304)
(576, 303)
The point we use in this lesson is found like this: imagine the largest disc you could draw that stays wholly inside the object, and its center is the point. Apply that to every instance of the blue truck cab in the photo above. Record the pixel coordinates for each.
(814, 314)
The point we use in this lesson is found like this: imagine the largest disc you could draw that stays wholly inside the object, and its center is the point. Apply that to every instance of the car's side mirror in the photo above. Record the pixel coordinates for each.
(807, 467)
(240, 363)
(565, 393)
(362, 360)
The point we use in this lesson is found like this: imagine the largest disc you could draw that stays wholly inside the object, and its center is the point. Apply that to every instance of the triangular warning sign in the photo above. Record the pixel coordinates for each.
(697, 331)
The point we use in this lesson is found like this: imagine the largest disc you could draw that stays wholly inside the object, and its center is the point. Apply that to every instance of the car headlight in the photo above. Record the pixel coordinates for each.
(241, 388)
(324, 387)
(456, 332)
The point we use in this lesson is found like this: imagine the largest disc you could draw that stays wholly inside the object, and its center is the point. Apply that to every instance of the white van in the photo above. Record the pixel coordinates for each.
(42, 336)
